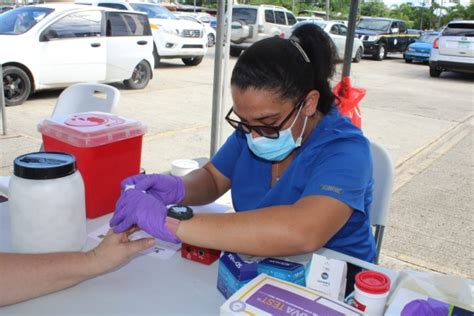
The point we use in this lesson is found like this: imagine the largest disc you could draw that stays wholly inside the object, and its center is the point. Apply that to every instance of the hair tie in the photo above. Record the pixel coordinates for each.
(296, 42)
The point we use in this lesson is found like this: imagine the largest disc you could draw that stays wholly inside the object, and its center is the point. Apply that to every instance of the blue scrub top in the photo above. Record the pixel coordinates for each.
(334, 161)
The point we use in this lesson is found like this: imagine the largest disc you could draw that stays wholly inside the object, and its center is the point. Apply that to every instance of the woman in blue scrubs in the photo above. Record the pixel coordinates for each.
(300, 173)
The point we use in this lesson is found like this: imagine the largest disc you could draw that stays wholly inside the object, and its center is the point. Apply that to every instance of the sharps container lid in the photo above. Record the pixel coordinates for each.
(44, 165)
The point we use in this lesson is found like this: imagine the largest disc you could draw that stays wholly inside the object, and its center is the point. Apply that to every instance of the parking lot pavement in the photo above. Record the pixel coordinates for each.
(420, 120)
(431, 216)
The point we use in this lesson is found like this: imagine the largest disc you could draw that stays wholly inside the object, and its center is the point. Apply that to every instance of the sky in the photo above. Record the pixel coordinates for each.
(419, 2)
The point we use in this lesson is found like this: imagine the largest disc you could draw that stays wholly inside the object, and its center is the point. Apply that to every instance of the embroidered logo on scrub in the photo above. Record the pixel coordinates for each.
(331, 188)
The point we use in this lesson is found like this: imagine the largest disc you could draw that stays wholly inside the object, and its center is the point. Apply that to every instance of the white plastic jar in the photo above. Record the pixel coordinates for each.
(47, 204)
(371, 291)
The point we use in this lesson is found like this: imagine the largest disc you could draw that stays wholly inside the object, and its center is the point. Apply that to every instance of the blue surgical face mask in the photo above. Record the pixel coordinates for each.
(279, 148)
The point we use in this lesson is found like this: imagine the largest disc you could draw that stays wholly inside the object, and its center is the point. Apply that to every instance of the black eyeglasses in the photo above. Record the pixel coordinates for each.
(272, 132)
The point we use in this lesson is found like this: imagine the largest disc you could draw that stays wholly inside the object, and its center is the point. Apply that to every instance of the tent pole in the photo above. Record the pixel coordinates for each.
(217, 83)
(346, 68)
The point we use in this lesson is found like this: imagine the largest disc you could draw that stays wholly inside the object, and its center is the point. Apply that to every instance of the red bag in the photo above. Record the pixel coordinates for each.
(347, 100)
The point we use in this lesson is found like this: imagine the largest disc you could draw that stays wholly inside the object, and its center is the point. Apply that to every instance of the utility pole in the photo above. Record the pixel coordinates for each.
(2, 104)
(422, 12)
(327, 10)
(293, 7)
(440, 10)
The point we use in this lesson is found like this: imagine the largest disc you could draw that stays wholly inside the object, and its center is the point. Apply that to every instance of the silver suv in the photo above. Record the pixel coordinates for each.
(453, 50)
(252, 23)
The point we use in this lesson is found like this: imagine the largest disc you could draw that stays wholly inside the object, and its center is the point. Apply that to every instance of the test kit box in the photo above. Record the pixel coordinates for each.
(234, 272)
(328, 276)
(283, 270)
(266, 295)
(107, 148)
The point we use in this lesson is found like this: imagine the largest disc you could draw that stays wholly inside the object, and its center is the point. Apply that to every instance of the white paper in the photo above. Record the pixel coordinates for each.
(162, 250)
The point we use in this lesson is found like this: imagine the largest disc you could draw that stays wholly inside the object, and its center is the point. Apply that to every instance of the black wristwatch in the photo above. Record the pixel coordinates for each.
(180, 212)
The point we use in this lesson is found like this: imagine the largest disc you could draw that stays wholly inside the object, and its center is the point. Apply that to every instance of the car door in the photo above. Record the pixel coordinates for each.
(339, 40)
(290, 18)
(72, 49)
(403, 39)
(392, 39)
(343, 34)
(129, 41)
(280, 20)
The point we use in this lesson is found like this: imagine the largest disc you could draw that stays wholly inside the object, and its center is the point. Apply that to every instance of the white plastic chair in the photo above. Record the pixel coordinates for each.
(85, 97)
(383, 173)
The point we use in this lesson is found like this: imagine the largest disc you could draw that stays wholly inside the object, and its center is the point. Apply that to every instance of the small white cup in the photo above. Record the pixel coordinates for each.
(182, 167)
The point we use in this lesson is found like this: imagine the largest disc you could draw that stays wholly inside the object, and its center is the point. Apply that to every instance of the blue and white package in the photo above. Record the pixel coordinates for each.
(233, 273)
(283, 270)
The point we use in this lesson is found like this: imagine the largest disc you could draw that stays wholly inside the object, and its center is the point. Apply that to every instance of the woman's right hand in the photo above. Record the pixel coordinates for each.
(168, 189)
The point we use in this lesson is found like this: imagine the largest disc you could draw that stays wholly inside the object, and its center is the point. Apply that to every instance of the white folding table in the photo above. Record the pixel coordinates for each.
(144, 286)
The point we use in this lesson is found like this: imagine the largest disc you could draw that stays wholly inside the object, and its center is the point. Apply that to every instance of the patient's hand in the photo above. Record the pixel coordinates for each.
(116, 249)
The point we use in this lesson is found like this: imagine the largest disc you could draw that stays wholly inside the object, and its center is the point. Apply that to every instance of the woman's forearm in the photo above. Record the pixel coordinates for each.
(274, 231)
(24, 276)
(204, 186)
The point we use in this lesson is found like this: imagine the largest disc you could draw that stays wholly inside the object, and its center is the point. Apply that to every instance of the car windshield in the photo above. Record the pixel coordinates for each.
(19, 21)
(205, 18)
(427, 38)
(459, 29)
(374, 25)
(189, 18)
(248, 15)
(154, 11)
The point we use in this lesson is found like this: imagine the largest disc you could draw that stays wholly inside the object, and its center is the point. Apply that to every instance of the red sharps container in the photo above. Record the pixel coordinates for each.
(107, 148)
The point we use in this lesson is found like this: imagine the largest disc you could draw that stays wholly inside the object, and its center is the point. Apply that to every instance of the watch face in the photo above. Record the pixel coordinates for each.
(180, 212)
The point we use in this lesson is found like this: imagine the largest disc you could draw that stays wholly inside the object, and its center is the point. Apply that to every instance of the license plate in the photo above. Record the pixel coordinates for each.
(463, 44)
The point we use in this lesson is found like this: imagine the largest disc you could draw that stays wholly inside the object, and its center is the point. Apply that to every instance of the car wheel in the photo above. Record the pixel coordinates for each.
(16, 85)
(211, 40)
(358, 55)
(140, 77)
(435, 72)
(156, 56)
(235, 52)
(193, 61)
(381, 52)
(408, 61)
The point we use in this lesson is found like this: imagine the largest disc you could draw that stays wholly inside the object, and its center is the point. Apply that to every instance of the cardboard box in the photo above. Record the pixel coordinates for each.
(327, 276)
(283, 270)
(266, 295)
(234, 272)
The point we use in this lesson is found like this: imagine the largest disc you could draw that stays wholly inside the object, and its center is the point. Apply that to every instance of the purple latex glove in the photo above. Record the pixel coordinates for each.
(169, 189)
(429, 307)
(135, 207)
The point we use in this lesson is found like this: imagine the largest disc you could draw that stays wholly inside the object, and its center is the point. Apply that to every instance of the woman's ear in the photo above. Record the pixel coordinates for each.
(311, 103)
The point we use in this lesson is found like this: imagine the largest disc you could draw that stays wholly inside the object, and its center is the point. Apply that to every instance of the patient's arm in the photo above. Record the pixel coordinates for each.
(25, 276)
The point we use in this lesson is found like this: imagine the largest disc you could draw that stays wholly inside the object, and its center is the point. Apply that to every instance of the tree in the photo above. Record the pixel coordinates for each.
(375, 9)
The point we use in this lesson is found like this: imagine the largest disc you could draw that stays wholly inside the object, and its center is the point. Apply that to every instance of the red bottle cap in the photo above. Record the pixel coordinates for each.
(372, 282)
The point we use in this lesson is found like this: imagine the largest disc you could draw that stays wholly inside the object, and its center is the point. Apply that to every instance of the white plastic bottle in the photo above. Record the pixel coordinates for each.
(47, 204)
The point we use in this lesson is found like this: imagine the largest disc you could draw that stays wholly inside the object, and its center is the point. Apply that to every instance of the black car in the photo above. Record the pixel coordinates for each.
(383, 35)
